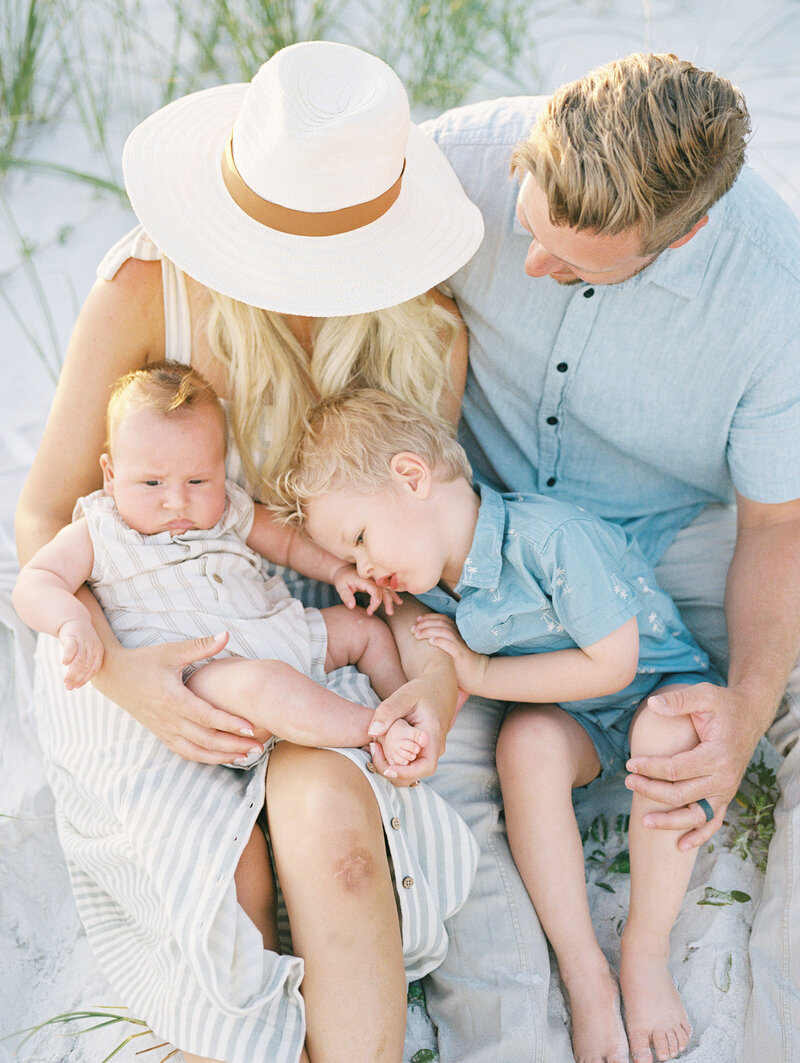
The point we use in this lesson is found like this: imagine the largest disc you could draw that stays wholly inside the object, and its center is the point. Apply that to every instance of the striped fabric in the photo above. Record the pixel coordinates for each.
(152, 842)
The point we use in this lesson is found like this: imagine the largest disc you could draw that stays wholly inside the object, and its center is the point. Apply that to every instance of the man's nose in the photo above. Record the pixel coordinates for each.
(539, 262)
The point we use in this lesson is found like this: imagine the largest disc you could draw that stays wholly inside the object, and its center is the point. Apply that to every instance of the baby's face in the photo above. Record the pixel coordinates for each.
(167, 473)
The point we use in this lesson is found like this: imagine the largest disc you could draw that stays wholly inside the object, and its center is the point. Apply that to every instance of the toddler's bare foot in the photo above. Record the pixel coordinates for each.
(598, 1034)
(654, 1011)
(402, 743)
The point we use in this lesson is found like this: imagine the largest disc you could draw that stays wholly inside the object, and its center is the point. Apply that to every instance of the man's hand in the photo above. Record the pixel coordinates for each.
(417, 702)
(148, 683)
(723, 719)
(441, 631)
(347, 582)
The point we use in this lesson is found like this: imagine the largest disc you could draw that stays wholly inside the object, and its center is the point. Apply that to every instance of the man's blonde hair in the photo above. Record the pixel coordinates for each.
(349, 441)
(168, 388)
(648, 142)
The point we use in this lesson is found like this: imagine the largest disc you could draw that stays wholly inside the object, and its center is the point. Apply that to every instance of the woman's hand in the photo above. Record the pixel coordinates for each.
(419, 703)
(147, 682)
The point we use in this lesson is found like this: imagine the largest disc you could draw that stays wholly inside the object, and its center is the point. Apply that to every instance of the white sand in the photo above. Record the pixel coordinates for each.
(47, 967)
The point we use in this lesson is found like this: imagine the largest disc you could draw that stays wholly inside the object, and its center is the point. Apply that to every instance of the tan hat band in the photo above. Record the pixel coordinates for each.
(301, 222)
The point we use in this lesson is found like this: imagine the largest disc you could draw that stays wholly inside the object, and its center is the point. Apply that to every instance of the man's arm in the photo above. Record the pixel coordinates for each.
(761, 610)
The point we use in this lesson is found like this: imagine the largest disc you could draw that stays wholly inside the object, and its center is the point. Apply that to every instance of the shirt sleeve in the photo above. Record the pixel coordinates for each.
(581, 570)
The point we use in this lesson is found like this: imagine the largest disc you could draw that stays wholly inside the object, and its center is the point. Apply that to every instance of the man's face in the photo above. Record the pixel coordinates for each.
(572, 256)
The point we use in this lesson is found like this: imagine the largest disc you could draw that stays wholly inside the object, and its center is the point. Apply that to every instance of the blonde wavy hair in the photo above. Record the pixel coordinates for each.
(402, 350)
(649, 141)
(349, 441)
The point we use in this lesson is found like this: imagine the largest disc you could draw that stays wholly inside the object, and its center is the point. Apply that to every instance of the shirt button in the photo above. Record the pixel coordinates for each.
(551, 482)
(408, 882)
(552, 420)
(588, 293)
(562, 367)
(395, 823)
(217, 578)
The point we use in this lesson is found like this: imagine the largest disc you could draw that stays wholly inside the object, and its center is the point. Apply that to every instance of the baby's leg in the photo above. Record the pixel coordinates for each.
(365, 641)
(660, 873)
(402, 742)
(279, 700)
(542, 753)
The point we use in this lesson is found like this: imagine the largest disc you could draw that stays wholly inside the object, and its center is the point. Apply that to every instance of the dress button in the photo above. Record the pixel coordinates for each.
(551, 482)
(552, 420)
(217, 578)
(371, 767)
(395, 823)
(408, 882)
(588, 293)
(562, 367)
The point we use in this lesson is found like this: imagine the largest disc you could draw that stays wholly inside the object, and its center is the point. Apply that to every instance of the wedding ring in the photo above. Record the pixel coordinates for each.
(708, 811)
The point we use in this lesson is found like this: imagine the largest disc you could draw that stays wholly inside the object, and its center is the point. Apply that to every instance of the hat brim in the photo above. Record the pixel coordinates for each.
(172, 167)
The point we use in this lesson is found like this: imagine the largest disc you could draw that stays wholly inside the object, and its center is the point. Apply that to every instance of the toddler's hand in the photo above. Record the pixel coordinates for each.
(402, 743)
(347, 581)
(82, 652)
(442, 633)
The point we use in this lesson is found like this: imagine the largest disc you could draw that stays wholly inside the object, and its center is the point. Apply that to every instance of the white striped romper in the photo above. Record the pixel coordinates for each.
(152, 841)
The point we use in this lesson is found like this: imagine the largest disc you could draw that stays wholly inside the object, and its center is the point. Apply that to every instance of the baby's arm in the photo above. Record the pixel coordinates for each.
(573, 674)
(286, 545)
(44, 598)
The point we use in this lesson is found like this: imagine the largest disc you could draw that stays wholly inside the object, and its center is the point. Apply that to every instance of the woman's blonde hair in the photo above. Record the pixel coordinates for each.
(349, 441)
(402, 350)
(169, 388)
(649, 141)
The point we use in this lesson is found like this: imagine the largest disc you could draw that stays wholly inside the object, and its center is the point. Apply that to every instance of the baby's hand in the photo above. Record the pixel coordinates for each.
(442, 632)
(402, 743)
(82, 652)
(347, 581)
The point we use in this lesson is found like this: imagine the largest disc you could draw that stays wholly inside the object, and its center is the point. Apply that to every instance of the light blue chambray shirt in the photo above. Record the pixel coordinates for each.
(541, 575)
(640, 401)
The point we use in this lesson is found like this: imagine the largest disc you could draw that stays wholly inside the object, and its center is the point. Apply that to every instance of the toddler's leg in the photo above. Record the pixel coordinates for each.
(542, 753)
(660, 872)
(279, 700)
(365, 641)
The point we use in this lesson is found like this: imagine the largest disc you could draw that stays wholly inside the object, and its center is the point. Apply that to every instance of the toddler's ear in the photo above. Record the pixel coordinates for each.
(108, 474)
(411, 472)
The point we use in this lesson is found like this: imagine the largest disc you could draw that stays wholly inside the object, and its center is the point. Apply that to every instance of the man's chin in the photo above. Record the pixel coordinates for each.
(566, 281)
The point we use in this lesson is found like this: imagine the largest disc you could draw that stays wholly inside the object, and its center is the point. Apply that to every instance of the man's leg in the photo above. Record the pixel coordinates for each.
(693, 571)
(489, 996)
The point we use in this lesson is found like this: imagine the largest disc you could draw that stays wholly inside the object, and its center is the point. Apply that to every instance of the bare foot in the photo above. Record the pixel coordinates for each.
(598, 1034)
(654, 1011)
(402, 743)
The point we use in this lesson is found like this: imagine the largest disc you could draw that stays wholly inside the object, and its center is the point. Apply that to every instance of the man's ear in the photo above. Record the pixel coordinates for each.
(411, 473)
(692, 232)
(108, 474)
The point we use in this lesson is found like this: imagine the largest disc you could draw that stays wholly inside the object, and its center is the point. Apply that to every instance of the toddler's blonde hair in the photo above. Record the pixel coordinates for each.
(349, 441)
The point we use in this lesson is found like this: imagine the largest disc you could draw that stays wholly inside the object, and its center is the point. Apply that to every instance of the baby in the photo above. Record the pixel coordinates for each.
(171, 550)
(540, 604)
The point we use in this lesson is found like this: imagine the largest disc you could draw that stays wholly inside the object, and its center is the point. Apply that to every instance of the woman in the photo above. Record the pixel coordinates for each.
(290, 232)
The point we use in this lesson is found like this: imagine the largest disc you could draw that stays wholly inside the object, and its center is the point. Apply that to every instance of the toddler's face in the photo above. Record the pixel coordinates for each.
(385, 535)
(167, 473)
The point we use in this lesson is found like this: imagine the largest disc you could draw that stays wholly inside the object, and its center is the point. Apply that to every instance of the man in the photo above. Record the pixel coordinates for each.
(646, 368)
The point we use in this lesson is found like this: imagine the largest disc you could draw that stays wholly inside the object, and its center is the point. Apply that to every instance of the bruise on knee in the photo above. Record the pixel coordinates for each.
(355, 871)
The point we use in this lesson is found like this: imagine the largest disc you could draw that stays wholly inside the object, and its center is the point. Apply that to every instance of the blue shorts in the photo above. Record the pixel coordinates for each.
(609, 726)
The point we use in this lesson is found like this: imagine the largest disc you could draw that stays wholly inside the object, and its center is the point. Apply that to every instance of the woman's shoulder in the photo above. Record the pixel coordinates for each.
(134, 245)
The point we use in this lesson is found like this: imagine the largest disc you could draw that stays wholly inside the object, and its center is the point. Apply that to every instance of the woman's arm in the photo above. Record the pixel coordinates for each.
(120, 327)
(605, 667)
(450, 403)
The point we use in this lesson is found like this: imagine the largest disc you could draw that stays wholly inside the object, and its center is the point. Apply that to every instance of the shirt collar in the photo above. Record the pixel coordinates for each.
(484, 560)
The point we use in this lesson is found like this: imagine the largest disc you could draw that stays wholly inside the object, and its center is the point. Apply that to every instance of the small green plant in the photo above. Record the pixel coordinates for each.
(722, 898)
(755, 824)
(598, 834)
(24, 98)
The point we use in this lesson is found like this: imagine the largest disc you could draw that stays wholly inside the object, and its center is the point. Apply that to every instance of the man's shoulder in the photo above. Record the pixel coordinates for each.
(761, 218)
(503, 121)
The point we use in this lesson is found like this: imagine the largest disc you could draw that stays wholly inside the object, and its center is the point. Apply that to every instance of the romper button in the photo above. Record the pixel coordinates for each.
(217, 578)
(371, 767)
(395, 823)
(562, 367)
(408, 882)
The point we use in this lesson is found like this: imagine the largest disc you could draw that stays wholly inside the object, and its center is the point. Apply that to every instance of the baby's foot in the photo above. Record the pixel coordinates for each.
(654, 1011)
(598, 1034)
(402, 743)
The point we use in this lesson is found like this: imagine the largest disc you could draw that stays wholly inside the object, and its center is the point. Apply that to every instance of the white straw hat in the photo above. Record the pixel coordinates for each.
(232, 182)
